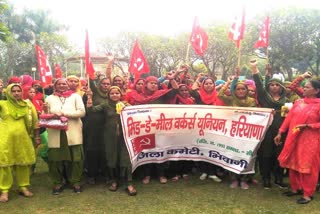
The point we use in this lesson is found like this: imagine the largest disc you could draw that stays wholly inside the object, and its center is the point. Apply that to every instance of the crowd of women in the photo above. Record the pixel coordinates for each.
(93, 143)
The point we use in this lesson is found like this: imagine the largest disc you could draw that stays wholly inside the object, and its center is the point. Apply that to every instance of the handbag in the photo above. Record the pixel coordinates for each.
(53, 122)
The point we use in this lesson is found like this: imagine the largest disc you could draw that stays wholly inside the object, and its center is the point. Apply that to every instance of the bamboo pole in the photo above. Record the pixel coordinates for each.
(188, 52)
(239, 54)
(267, 55)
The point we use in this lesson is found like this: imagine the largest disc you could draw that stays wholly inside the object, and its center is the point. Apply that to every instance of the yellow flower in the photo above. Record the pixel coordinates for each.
(295, 130)
(119, 107)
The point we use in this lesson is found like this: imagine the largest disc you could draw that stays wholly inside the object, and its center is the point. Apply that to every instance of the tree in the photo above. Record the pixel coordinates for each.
(162, 53)
(294, 40)
(17, 55)
(4, 31)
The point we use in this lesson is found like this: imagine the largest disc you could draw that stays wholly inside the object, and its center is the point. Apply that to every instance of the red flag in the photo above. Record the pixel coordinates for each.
(237, 29)
(143, 142)
(89, 67)
(198, 38)
(263, 40)
(138, 63)
(57, 71)
(43, 67)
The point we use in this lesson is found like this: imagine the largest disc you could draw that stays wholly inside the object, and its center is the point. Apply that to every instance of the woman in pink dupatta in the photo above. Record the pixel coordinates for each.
(301, 152)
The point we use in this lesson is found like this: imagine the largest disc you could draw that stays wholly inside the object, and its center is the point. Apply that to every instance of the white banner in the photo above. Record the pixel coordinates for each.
(225, 136)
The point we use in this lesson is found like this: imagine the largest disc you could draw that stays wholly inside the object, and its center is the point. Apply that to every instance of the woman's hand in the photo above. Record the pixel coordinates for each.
(183, 68)
(171, 75)
(307, 74)
(110, 57)
(195, 85)
(254, 68)
(45, 108)
(89, 104)
(199, 76)
(59, 114)
(37, 141)
(219, 87)
(268, 70)
(277, 139)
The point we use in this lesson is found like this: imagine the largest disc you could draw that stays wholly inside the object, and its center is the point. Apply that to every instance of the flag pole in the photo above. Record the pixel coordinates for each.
(187, 55)
(267, 55)
(239, 54)
(88, 80)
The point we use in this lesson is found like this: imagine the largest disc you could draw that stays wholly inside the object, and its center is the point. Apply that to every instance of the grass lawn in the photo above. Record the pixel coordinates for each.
(192, 196)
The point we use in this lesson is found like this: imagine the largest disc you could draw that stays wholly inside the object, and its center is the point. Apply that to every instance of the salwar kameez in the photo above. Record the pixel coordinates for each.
(18, 120)
(65, 162)
(65, 152)
(301, 152)
(22, 174)
(117, 156)
(303, 181)
(268, 151)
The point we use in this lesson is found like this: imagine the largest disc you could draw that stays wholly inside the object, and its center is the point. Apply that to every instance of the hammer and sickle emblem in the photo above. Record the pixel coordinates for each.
(139, 64)
(145, 141)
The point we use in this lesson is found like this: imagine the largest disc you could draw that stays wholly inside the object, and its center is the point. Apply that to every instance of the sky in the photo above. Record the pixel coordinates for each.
(105, 18)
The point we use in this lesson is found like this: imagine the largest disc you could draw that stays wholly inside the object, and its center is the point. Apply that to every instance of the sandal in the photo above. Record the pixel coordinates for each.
(56, 190)
(175, 178)
(77, 189)
(131, 191)
(113, 187)
(146, 180)
(25, 192)
(4, 197)
(163, 180)
(185, 176)
(304, 200)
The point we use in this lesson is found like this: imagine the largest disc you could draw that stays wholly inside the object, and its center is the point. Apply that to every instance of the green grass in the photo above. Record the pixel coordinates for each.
(192, 196)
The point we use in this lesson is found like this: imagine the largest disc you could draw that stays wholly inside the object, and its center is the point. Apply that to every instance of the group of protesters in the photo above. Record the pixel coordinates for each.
(93, 145)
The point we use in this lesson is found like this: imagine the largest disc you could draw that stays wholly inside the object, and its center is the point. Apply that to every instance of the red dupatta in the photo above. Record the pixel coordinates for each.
(64, 94)
(37, 101)
(178, 99)
(145, 97)
(206, 98)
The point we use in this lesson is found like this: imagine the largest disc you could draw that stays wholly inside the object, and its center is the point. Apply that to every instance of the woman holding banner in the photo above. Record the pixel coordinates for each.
(182, 168)
(273, 96)
(121, 83)
(205, 94)
(117, 156)
(152, 95)
(239, 98)
(301, 152)
(136, 89)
